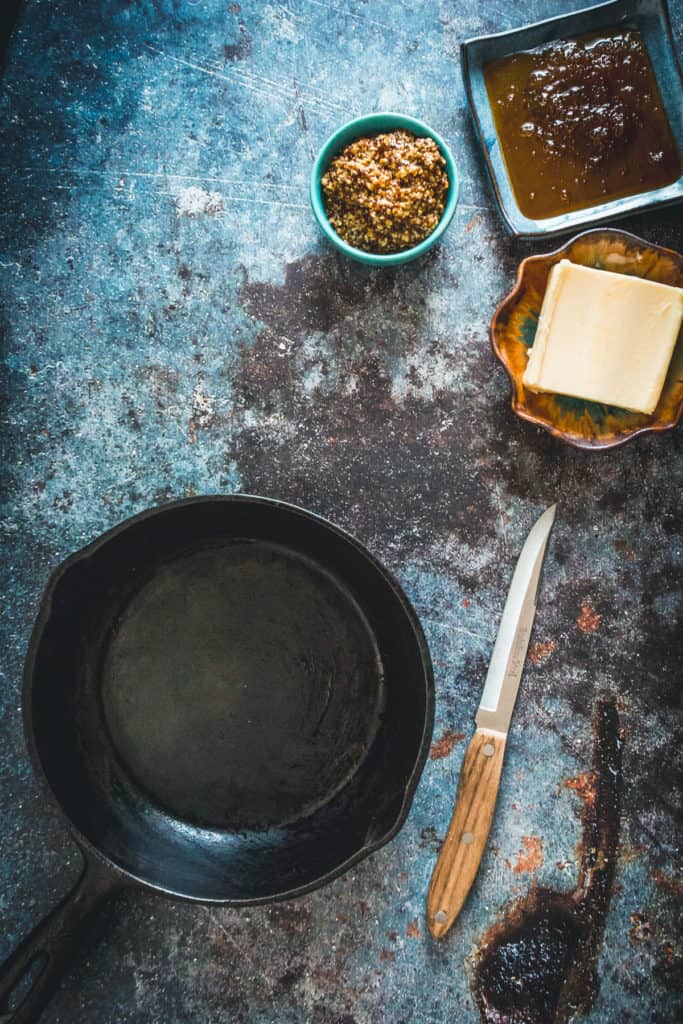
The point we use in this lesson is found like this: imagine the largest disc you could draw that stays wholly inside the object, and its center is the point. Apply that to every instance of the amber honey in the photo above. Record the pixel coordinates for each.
(581, 122)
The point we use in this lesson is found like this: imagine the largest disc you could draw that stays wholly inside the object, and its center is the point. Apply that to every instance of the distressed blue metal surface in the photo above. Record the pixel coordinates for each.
(173, 324)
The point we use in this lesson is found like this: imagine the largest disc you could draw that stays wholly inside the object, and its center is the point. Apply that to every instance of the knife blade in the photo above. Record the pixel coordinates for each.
(465, 840)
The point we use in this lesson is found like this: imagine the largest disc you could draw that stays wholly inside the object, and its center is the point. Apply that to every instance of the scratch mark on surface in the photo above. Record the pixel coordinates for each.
(245, 80)
(218, 924)
(458, 629)
(283, 90)
(163, 175)
(257, 83)
(302, 117)
(290, 14)
(357, 17)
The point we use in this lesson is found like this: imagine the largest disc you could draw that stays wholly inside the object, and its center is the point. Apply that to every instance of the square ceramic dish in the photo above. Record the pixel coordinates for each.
(651, 19)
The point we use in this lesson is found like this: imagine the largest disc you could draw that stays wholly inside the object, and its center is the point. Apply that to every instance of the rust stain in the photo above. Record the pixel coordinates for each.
(628, 852)
(584, 785)
(622, 548)
(444, 745)
(530, 858)
(475, 222)
(387, 954)
(541, 651)
(413, 930)
(538, 964)
(641, 929)
(674, 885)
(668, 954)
(589, 620)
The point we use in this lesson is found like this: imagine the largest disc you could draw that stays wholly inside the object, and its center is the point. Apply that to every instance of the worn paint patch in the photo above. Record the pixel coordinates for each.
(193, 201)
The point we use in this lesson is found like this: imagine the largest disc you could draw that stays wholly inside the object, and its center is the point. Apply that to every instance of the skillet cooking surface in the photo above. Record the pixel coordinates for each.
(242, 686)
(229, 698)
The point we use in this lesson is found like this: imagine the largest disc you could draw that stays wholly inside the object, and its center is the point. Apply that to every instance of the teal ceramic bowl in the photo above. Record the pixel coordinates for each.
(374, 124)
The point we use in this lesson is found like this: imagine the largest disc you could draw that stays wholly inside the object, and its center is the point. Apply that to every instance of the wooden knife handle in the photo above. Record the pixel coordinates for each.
(468, 831)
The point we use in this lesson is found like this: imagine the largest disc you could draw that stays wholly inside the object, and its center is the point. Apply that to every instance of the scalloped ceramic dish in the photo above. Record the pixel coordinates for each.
(513, 328)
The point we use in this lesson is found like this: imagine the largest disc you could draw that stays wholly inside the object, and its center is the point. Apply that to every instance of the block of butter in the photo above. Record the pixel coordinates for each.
(604, 337)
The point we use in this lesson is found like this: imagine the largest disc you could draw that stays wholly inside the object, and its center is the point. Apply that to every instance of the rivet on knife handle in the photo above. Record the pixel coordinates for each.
(464, 844)
(467, 834)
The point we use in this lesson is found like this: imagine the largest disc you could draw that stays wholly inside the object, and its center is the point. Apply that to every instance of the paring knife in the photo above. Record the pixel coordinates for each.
(464, 844)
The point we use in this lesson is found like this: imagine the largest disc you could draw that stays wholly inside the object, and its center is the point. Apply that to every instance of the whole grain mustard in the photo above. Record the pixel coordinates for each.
(386, 193)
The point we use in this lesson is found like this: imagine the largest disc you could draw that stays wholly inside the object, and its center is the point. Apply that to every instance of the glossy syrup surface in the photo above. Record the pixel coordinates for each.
(581, 122)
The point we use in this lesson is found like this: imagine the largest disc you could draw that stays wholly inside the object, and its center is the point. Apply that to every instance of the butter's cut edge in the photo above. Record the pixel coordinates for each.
(536, 354)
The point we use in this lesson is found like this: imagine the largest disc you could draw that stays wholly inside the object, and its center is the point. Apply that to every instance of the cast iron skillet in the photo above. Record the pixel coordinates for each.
(231, 701)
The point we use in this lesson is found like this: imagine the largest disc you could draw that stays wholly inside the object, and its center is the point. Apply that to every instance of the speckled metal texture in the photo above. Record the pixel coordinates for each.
(174, 324)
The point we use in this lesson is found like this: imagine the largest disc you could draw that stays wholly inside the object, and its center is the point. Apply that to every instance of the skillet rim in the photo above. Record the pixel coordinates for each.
(89, 850)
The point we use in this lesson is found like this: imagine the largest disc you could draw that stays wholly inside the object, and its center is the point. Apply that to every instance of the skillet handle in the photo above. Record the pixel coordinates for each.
(52, 943)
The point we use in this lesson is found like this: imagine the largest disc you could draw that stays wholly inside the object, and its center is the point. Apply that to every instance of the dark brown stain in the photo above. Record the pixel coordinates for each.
(320, 291)
(293, 918)
(430, 840)
(357, 445)
(292, 977)
(613, 500)
(667, 882)
(131, 414)
(538, 965)
(242, 48)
